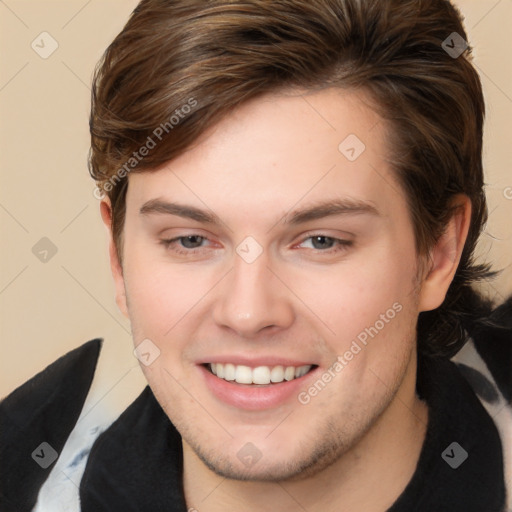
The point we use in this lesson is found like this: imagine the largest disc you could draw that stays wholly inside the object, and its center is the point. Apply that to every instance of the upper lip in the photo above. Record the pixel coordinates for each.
(254, 362)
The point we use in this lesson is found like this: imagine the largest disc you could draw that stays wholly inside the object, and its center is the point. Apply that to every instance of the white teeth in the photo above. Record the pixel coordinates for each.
(229, 371)
(220, 371)
(277, 374)
(289, 373)
(301, 370)
(259, 375)
(243, 374)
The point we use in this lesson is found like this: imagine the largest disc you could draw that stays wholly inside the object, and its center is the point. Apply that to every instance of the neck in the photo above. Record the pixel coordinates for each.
(370, 476)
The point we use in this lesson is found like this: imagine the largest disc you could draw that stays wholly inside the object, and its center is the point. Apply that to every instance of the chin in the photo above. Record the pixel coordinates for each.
(250, 464)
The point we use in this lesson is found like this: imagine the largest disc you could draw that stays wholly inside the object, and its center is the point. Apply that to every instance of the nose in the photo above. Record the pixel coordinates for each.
(252, 298)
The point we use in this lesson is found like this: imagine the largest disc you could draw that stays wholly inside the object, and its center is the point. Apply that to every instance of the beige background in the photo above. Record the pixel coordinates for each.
(48, 308)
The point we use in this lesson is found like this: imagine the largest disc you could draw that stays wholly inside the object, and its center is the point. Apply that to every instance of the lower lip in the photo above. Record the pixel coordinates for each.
(251, 397)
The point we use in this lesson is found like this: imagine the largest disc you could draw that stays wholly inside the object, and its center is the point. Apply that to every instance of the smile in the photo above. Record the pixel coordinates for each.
(262, 375)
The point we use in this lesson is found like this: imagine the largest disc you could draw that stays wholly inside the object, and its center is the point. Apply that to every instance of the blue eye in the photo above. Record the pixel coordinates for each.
(188, 242)
(193, 243)
(320, 241)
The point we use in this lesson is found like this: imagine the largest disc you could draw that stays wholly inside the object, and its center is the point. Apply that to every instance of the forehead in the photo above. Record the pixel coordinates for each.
(279, 150)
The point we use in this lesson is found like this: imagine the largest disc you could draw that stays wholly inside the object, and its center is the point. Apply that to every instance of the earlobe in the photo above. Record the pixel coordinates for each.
(445, 256)
(115, 265)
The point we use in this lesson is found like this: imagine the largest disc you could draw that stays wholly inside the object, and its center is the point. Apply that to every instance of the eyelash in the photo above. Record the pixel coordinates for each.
(342, 244)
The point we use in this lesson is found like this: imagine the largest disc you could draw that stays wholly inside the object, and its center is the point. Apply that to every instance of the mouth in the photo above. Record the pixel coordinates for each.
(258, 376)
(259, 384)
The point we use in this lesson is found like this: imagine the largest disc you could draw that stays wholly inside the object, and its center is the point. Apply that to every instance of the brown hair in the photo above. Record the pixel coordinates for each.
(180, 66)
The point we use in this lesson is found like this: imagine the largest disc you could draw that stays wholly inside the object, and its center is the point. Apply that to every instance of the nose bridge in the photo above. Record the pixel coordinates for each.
(251, 298)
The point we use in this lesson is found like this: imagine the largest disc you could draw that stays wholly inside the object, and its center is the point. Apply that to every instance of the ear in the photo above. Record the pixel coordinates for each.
(115, 265)
(445, 256)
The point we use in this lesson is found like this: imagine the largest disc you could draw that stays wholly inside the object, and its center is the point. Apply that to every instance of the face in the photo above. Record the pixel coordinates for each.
(278, 252)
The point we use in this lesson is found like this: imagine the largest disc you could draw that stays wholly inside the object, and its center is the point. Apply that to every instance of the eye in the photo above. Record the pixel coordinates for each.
(324, 243)
(193, 243)
(184, 244)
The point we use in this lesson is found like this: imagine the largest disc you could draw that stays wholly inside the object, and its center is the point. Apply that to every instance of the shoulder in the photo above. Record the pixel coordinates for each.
(486, 358)
(36, 420)
(485, 361)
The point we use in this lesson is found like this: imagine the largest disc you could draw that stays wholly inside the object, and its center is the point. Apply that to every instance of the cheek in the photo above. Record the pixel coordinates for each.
(160, 295)
(355, 295)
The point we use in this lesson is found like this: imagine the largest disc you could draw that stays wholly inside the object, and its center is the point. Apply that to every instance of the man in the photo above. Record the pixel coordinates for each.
(294, 191)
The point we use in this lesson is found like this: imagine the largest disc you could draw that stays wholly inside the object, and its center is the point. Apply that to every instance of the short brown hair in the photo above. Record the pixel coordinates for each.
(217, 54)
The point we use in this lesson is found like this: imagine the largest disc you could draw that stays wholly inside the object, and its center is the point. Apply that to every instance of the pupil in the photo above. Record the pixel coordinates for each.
(320, 239)
(187, 239)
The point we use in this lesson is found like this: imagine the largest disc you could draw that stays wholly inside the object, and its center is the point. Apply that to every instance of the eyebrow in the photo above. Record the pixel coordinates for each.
(317, 211)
